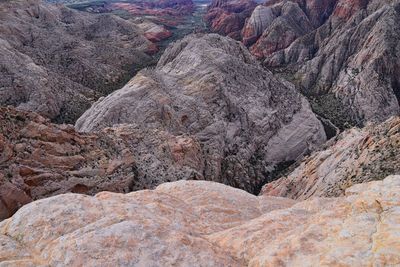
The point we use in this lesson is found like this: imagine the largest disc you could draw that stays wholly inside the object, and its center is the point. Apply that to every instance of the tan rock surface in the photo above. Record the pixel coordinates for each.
(357, 156)
(198, 223)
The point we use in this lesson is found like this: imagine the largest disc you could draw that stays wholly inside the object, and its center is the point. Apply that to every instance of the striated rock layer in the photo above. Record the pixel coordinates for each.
(57, 61)
(245, 121)
(228, 17)
(349, 63)
(39, 159)
(198, 223)
(357, 156)
(343, 54)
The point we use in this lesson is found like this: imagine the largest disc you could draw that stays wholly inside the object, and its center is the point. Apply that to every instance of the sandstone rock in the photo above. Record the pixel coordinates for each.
(43, 159)
(357, 156)
(353, 57)
(191, 223)
(227, 17)
(57, 61)
(260, 19)
(290, 23)
(209, 88)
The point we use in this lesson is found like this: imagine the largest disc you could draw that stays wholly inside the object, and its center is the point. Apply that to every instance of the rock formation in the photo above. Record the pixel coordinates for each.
(57, 61)
(210, 89)
(357, 156)
(227, 17)
(39, 159)
(198, 223)
(343, 54)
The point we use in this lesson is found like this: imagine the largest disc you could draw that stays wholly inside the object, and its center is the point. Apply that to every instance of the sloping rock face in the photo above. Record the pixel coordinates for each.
(288, 23)
(39, 159)
(357, 156)
(343, 54)
(210, 88)
(57, 61)
(228, 17)
(198, 223)
(351, 59)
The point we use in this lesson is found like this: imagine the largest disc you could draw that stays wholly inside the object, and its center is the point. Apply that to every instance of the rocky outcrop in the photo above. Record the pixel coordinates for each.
(39, 159)
(154, 32)
(228, 17)
(57, 61)
(341, 53)
(167, 12)
(210, 88)
(192, 223)
(357, 156)
(352, 58)
(289, 23)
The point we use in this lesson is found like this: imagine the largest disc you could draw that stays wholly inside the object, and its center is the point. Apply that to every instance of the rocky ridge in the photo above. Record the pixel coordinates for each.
(57, 61)
(190, 223)
(320, 46)
(209, 88)
(356, 156)
(228, 17)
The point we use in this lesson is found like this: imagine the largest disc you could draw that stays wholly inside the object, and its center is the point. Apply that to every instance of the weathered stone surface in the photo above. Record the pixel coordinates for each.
(357, 156)
(210, 88)
(343, 54)
(193, 223)
(289, 24)
(227, 17)
(39, 159)
(57, 61)
(260, 19)
(353, 56)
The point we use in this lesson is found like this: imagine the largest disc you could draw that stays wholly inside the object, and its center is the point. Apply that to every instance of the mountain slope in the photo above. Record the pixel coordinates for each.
(342, 54)
(57, 61)
(210, 88)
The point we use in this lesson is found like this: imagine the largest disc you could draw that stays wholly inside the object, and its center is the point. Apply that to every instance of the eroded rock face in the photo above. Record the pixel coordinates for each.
(39, 159)
(340, 53)
(57, 61)
(351, 57)
(191, 223)
(227, 17)
(210, 88)
(357, 156)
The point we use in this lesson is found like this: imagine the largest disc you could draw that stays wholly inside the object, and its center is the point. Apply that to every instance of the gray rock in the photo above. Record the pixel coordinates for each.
(211, 89)
(57, 61)
(353, 56)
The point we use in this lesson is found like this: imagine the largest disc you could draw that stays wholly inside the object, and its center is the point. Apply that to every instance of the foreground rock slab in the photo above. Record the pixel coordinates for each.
(199, 223)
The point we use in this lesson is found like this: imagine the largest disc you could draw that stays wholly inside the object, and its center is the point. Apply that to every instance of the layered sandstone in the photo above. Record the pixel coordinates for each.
(211, 89)
(356, 156)
(192, 223)
(228, 17)
(348, 63)
(341, 53)
(39, 159)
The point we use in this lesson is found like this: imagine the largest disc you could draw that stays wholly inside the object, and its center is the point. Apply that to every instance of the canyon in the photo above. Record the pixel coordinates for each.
(180, 133)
